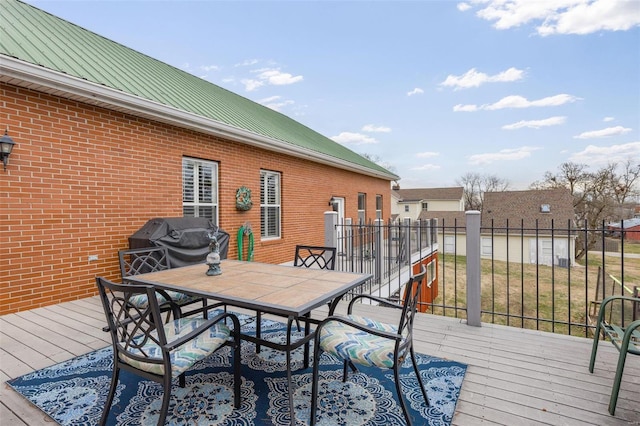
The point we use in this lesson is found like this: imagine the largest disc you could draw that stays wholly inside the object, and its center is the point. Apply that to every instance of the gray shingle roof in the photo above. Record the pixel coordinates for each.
(419, 194)
(524, 209)
(39, 38)
(447, 219)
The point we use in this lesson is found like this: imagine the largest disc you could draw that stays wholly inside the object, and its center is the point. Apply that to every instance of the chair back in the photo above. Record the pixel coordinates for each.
(315, 257)
(131, 327)
(412, 291)
(143, 260)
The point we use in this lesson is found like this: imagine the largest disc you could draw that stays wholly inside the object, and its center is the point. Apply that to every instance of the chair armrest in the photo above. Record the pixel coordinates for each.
(610, 299)
(175, 309)
(356, 325)
(381, 300)
(204, 327)
(626, 339)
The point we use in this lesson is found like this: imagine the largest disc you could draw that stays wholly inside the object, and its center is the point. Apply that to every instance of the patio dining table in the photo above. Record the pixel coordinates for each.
(286, 291)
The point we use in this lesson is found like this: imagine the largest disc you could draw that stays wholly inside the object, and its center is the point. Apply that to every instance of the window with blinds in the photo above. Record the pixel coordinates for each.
(362, 208)
(200, 189)
(270, 204)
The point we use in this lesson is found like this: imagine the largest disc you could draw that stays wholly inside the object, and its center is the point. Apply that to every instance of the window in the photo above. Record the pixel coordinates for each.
(406, 208)
(269, 204)
(431, 275)
(362, 208)
(378, 206)
(486, 248)
(425, 206)
(200, 189)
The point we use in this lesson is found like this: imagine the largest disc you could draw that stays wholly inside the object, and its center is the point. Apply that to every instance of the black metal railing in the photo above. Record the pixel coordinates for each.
(548, 278)
(384, 249)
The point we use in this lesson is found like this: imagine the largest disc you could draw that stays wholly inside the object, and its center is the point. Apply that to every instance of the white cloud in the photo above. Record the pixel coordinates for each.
(602, 155)
(503, 155)
(275, 102)
(427, 167)
(473, 78)
(521, 102)
(376, 129)
(246, 63)
(465, 108)
(209, 68)
(349, 138)
(608, 119)
(250, 84)
(270, 76)
(561, 16)
(515, 101)
(277, 78)
(416, 91)
(427, 154)
(603, 133)
(462, 7)
(536, 124)
(599, 15)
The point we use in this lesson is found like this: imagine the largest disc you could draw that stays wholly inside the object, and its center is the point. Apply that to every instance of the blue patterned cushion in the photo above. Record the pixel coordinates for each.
(183, 357)
(181, 298)
(141, 301)
(359, 346)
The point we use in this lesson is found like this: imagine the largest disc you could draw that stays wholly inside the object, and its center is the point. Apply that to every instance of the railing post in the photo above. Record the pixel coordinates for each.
(330, 230)
(473, 268)
(379, 249)
(406, 228)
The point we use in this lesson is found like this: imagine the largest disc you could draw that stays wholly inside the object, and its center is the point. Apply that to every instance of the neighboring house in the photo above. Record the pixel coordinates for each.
(529, 226)
(107, 138)
(451, 228)
(412, 203)
(629, 228)
(444, 204)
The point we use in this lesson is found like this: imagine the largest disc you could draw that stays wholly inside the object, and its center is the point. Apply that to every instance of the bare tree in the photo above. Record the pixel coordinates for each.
(475, 185)
(626, 183)
(596, 195)
(376, 159)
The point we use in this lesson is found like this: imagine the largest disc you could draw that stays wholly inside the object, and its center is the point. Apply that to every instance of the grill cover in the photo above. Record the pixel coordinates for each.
(186, 238)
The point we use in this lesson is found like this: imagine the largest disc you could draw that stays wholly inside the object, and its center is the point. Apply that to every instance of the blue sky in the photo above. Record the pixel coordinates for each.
(434, 89)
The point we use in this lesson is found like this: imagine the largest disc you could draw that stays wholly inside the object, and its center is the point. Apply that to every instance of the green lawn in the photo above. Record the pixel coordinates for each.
(530, 296)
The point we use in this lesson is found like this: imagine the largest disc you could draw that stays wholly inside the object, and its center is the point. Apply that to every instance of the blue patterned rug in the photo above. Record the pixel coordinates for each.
(73, 392)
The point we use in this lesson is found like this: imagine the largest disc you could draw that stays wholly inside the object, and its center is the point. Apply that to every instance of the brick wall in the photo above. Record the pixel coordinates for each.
(81, 179)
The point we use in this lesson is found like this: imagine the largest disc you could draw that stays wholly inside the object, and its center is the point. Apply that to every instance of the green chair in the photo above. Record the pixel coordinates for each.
(625, 339)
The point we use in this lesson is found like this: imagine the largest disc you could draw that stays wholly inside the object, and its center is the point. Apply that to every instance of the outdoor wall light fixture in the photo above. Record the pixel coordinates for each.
(332, 201)
(6, 145)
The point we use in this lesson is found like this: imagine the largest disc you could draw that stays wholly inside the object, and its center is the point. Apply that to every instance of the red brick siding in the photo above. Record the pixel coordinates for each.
(81, 179)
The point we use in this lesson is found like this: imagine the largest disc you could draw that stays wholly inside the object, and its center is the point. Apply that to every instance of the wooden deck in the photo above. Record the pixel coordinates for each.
(514, 376)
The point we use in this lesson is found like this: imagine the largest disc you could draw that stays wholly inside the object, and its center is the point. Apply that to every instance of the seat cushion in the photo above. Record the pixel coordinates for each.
(360, 347)
(182, 298)
(184, 356)
(141, 301)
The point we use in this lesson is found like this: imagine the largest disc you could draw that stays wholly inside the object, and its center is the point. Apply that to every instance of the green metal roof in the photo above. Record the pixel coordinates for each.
(37, 37)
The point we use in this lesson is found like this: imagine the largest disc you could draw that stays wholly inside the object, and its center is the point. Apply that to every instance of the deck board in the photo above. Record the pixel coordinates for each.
(514, 376)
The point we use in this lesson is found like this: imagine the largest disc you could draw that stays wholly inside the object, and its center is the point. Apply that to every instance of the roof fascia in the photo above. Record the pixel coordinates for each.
(21, 73)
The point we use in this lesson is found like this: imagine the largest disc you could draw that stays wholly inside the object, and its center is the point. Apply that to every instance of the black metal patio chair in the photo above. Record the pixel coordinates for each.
(364, 341)
(145, 346)
(153, 259)
(315, 257)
